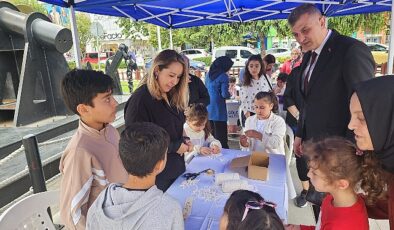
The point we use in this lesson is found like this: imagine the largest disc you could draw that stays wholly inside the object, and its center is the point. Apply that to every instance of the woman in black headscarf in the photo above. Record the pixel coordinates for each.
(216, 82)
(372, 121)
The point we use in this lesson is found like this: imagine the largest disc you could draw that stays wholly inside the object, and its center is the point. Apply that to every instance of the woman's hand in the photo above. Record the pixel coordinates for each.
(215, 149)
(205, 151)
(182, 149)
(243, 140)
(297, 146)
(254, 134)
(247, 114)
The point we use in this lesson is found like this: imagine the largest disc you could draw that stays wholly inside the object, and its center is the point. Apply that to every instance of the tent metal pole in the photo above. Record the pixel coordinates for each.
(75, 36)
(171, 45)
(158, 37)
(391, 45)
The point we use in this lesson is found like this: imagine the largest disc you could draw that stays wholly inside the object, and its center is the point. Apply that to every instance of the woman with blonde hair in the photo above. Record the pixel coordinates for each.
(162, 99)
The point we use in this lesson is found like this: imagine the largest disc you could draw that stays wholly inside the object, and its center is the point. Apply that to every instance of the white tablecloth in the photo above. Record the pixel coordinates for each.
(206, 213)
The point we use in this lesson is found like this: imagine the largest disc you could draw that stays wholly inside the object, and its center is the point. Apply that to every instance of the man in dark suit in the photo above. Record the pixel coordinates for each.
(331, 66)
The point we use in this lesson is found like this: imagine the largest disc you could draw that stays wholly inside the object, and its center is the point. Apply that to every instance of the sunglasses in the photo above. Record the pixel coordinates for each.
(256, 205)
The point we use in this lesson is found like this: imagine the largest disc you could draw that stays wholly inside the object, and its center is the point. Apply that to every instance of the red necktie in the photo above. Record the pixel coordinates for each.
(306, 79)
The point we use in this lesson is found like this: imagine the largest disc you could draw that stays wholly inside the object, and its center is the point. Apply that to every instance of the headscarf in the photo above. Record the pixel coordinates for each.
(377, 102)
(219, 66)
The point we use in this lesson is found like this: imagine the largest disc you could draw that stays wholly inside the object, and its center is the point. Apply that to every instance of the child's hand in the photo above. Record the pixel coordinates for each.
(190, 146)
(254, 134)
(215, 149)
(243, 140)
(205, 151)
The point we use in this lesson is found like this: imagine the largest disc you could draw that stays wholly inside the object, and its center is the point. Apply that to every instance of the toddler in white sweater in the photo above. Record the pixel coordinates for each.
(198, 130)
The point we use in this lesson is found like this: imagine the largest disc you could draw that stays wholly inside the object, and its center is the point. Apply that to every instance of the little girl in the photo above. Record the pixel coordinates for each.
(197, 129)
(265, 130)
(246, 210)
(335, 168)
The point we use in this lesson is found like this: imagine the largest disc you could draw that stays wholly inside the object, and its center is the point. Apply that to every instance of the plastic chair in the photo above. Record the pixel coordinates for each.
(289, 140)
(30, 212)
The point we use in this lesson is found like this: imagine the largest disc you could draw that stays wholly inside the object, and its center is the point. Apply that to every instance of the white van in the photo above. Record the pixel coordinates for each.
(239, 54)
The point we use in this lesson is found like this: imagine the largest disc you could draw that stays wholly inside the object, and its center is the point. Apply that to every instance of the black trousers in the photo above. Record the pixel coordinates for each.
(219, 131)
(302, 168)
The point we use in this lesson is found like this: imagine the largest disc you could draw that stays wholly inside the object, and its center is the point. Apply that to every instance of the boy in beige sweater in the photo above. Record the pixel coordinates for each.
(91, 159)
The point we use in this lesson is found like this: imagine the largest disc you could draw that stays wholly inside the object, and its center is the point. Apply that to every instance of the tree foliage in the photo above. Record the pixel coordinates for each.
(37, 7)
(83, 25)
(348, 25)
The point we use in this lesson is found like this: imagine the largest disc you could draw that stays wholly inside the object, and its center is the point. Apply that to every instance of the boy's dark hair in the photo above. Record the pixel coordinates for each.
(283, 77)
(270, 97)
(82, 86)
(300, 10)
(232, 80)
(264, 218)
(269, 59)
(141, 146)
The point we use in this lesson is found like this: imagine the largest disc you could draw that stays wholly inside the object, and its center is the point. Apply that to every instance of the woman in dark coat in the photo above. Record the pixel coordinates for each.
(372, 121)
(161, 99)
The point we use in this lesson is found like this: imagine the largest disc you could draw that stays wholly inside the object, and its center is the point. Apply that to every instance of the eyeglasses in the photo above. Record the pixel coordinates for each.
(256, 205)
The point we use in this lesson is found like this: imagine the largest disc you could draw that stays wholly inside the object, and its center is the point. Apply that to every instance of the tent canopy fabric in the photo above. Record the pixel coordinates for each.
(190, 13)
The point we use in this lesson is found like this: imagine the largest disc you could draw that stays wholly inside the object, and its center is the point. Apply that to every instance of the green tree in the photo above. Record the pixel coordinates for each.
(35, 6)
(83, 26)
(348, 25)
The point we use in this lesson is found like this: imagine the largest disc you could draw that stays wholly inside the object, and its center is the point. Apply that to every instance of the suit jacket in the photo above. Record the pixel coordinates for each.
(292, 95)
(342, 62)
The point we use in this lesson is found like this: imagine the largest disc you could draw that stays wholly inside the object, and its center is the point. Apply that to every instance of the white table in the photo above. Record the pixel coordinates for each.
(206, 214)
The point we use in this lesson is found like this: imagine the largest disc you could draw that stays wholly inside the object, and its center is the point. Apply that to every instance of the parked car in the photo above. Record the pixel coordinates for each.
(195, 65)
(379, 52)
(195, 53)
(93, 57)
(279, 52)
(239, 54)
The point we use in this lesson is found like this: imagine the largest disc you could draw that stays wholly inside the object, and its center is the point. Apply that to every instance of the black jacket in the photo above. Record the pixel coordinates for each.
(198, 93)
(342, 63)
(143, 107)
(292, 96)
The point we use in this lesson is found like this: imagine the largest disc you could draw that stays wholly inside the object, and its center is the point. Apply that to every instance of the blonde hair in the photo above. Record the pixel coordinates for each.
(179, 94)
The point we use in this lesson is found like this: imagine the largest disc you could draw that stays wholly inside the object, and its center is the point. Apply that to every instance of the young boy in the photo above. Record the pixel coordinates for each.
(138, 204)
(91, 158)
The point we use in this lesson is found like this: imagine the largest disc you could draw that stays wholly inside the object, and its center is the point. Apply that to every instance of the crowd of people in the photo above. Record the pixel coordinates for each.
(344, 140)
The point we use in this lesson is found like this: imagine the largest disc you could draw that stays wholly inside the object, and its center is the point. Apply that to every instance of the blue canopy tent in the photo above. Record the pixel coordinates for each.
(175, 14)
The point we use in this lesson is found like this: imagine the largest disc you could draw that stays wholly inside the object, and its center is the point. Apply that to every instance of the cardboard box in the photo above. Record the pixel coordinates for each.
(256, 163)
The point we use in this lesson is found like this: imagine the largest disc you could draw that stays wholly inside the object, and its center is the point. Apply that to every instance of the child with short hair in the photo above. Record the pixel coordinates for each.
(198, 130)
(246, 210)
(335, 168)
(138, 203)
(265, 130)
(233, 88)
(91, 158)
